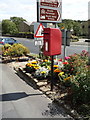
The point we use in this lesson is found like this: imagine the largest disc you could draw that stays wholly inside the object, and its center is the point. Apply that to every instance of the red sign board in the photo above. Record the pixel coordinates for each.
(50, 3)
(49, 14)
(49, 11)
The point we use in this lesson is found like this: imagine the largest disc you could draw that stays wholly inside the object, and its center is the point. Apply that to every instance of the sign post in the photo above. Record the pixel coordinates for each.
(64, 43)
(52, 78)
(49, 11)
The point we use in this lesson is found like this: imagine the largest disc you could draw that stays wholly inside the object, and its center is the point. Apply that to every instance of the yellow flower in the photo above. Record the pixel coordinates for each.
(55, 66)
(49, 67)
(43, 72)
(45, 60)
(67, 78)
(57, 70)
(28, 64)
(36, 67)
(34, 62)
(61, 73)
(31, 65)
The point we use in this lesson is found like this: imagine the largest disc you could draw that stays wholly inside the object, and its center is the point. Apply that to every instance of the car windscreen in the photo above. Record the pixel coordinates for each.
(9, 39)
(1, 39)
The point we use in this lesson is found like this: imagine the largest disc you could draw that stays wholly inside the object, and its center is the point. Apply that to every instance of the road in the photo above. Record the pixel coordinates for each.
(35, 49)
(20, 100)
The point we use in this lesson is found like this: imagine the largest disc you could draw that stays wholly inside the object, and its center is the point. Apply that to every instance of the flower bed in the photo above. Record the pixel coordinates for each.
(15, 52)
(70, 76)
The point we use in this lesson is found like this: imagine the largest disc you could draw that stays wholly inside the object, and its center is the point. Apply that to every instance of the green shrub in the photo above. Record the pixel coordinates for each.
(77, 76)
(5, 47)
(16, 49)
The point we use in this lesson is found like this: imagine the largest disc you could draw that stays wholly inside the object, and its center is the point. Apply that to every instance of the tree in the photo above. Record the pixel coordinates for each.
(66, 23)
(72, 24)
(17, 20)
(9, 27)
(77, 28)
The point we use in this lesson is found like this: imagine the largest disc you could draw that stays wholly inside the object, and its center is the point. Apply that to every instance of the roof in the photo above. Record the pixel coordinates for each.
(29, 23)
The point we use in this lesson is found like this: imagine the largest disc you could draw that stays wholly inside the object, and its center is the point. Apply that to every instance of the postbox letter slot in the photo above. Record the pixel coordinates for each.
(46, 46)
(44, 33)
(45, 39)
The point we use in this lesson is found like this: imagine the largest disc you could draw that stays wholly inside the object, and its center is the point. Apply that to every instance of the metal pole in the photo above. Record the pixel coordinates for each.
(52, 80)
(37, 11)
(52, 63)
(64, 44)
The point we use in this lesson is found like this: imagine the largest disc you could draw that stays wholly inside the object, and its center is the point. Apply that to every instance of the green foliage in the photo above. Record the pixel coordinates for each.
(15, 50)
(77, 28)
(77, 76)
(5, 47)
(84, 109)
(17, 20)
(26, 32)
(66, 23)
(74, 25)
(45, 63)
(9, 27)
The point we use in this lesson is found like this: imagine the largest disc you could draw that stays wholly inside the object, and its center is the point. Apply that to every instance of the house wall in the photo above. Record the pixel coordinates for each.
(89, 29)
(0, 28)
(85, 28)
(32, 28)
(23, 27)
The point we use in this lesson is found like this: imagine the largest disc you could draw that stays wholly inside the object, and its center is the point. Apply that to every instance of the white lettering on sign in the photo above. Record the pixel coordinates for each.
(50, 1)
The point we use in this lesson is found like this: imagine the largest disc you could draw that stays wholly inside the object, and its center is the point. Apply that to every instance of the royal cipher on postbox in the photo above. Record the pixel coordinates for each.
(52, 41)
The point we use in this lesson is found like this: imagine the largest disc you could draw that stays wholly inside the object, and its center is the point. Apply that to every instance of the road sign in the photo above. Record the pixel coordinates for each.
(49, 11)
(49, 14)
(38, 33)
(38, 36)
(38, 42)
(50, 3)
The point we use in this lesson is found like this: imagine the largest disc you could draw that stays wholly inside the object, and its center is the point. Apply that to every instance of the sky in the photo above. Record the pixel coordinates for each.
(71, 9)
(89, 10)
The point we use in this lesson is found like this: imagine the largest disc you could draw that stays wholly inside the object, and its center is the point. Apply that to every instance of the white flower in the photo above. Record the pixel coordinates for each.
(60, 64)
(42, 71)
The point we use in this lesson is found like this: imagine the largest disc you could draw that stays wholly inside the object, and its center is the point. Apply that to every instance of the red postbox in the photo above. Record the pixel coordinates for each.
(52, 41)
